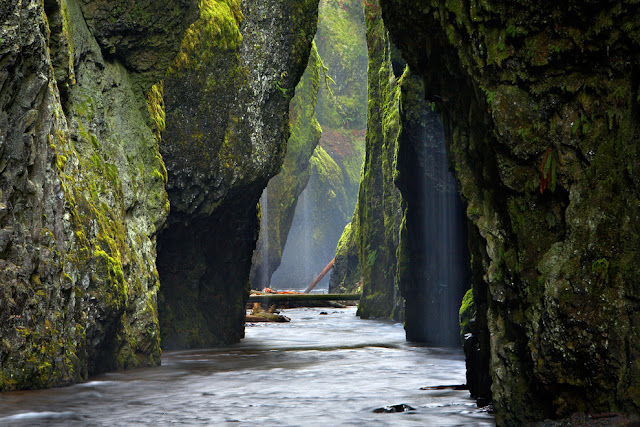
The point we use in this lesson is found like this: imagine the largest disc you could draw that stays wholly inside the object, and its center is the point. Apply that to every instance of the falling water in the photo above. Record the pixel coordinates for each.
(307, 226)
(263, 269)
(300, 261)
(446, 269)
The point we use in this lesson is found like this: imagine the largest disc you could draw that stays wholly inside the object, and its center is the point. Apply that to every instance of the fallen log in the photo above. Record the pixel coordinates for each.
(320, 276)
(271, 298)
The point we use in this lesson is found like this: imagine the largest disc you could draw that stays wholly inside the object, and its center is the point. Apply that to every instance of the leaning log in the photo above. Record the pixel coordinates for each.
(320, 276)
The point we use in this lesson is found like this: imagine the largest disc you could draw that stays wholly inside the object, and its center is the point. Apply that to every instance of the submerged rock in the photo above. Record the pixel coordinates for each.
(402, 407)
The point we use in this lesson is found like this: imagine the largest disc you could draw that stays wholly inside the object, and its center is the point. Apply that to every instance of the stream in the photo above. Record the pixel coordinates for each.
(319, 369)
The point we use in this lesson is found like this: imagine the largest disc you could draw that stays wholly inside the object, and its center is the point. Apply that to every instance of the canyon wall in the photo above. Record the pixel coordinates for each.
(379, 207)
(278, 203)
(81, 185)
(227, 116)
(540, 109)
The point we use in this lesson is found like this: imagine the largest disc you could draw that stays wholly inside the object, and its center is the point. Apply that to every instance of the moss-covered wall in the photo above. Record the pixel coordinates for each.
(321, 211)
(379, 201)
(540, 107)
(341, 41)
(227, 126)
(81, 187)
(278, 208)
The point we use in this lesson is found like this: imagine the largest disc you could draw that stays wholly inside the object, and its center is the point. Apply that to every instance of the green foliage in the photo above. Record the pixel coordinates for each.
(466, 313)
(600, 269)
(341, 44)
(490, 96)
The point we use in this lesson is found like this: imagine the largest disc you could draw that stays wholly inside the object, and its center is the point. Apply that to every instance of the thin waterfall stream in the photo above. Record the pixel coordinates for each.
(446, 258)
(264, 241)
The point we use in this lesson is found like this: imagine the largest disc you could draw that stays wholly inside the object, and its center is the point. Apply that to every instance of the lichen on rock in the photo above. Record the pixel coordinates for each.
(82, 192)
(539, 104)
(226, 132)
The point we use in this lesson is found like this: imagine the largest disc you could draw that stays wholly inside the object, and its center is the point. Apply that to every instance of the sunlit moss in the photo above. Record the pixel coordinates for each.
(217, 28)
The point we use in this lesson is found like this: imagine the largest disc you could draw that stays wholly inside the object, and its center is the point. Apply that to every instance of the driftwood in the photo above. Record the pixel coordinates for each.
(250, 318)
(260, 315)
(320, 276)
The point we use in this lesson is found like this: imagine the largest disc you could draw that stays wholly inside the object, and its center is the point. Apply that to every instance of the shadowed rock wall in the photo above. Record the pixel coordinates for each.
(540, 107)
(227, 103)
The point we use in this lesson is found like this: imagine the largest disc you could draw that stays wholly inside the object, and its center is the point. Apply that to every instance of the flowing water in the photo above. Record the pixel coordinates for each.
(300, 263)
(332, 369)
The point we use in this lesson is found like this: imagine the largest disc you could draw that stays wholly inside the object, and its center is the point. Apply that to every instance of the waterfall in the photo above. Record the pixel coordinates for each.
(263, 270)
(446, 262)
(301, 262)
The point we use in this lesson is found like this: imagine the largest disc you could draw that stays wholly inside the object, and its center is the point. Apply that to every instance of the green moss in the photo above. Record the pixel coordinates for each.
(155, 104)
(378, 222)
(467, 312)
(216, 29)
(341, 44)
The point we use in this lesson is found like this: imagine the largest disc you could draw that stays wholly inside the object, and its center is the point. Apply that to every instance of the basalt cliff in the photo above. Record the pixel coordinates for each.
(135, 145)
(86, 90)
(540, 104)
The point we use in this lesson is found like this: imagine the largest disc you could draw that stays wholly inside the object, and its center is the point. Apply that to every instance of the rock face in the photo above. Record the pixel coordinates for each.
(321, 212)
(540, 108)
(375, 228)
(341, 40)
(227, 102)
(278, 202)
(81, 185)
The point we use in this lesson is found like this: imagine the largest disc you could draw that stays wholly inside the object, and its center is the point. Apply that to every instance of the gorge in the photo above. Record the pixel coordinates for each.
(136, 139)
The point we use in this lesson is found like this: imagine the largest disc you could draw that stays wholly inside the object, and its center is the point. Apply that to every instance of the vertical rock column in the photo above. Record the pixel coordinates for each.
(227, 104)
(379, 201)
(81, 185)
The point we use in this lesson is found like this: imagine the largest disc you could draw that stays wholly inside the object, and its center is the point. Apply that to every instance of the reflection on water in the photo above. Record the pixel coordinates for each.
(317, 370)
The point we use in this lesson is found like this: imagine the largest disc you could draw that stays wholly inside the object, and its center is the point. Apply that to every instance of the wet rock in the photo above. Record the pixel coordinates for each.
(402, 407)
(378, 216)
(81, 189)
(541, 131)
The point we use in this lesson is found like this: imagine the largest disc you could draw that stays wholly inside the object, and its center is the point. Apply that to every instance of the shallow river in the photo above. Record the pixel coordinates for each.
(317, 370)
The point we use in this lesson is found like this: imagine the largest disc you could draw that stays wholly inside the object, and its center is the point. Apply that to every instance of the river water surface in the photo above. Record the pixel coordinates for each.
(319, 369)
